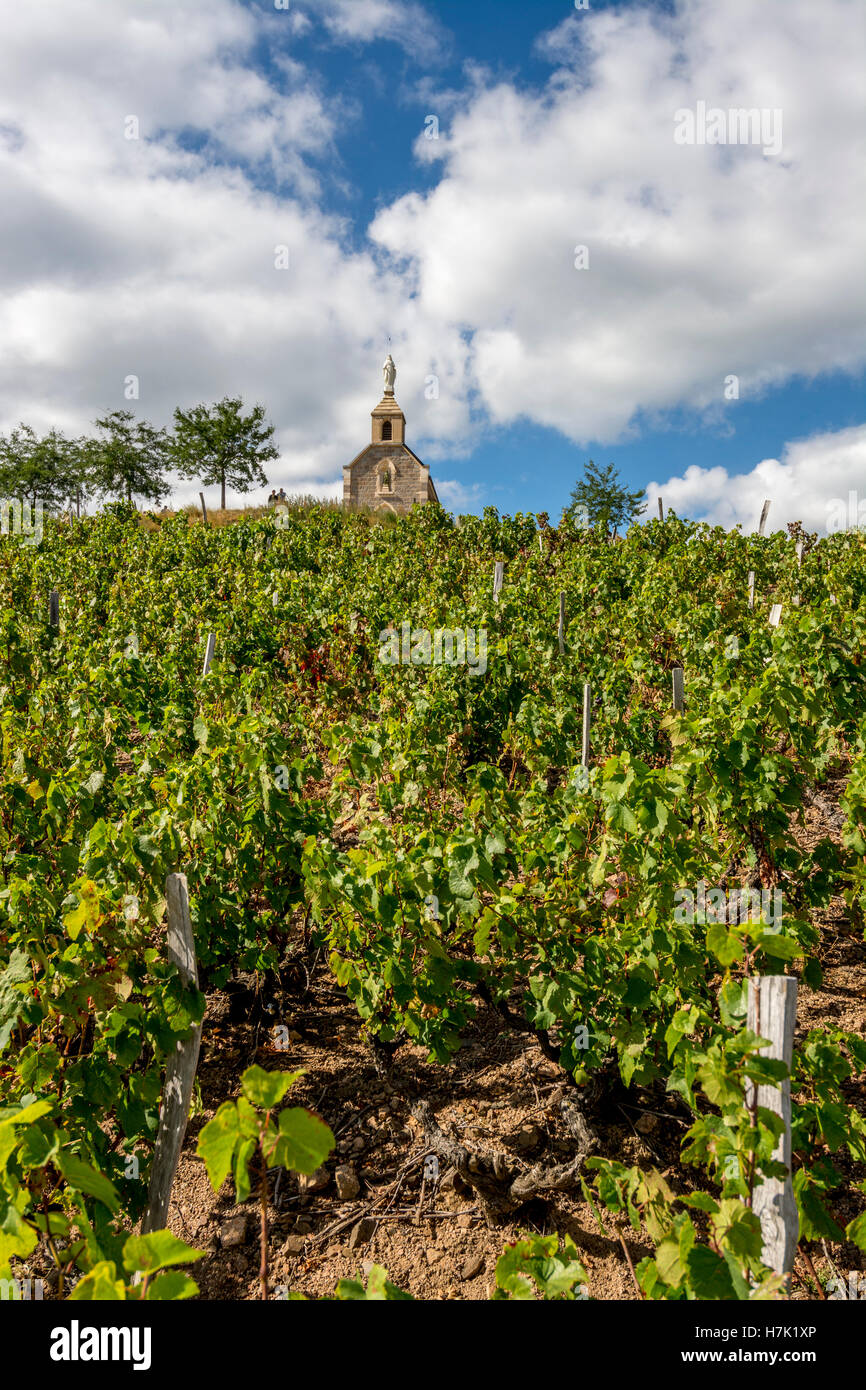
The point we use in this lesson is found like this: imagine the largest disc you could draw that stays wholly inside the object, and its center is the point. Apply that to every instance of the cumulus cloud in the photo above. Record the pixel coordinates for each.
(702, 261)
(156, 257)
(813, 482)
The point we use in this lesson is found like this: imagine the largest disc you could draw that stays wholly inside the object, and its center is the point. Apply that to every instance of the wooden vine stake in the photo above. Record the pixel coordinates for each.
(799, 567)
(661, 510)
(751, 588)
(560, 633)
(773, 1015)
(180, 1070)
(678, 682)
(203, 508)
(775, 615)
(587, 717)
(209, 651)
(54, 608)
(498, 572)
(764, 514)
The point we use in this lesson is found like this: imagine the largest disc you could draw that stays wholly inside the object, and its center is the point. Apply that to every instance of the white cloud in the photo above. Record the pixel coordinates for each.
(459, 497)
(155, 257)
(370, 21)
(810, 483)
(704, 261)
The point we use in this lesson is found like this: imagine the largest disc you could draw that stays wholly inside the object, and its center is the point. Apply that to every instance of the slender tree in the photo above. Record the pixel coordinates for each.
(129, 458)
(219, 444)
(600, 498)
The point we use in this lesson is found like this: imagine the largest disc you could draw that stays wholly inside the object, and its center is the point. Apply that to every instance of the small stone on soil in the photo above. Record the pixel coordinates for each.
(647, 1124)
(347, 1182)
(233, 1231)
(361, 1232)
(527, 1138)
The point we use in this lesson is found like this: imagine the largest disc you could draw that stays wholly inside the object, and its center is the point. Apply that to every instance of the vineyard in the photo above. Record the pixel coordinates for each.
(473, 1000)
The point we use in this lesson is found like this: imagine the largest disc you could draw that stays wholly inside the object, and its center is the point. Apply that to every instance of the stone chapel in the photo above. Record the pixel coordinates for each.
(386, 475)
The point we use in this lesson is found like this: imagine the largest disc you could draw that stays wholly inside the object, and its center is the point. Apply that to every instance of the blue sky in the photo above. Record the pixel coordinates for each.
(151, 260)
(526, 462)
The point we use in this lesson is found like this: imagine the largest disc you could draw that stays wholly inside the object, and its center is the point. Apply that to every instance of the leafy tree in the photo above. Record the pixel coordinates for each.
(219, 444)
(130, 459)
(50, 469)
(600, 498)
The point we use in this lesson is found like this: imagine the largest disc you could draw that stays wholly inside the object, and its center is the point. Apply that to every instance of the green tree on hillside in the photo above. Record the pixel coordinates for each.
(600, 498)
(219, 444)
(50, 469)
(130, 459)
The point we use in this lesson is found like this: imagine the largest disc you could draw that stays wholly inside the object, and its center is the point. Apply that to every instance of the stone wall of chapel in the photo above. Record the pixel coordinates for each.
(360, 483)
